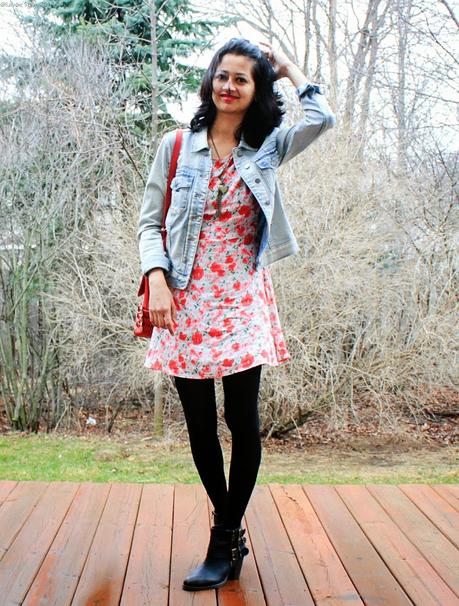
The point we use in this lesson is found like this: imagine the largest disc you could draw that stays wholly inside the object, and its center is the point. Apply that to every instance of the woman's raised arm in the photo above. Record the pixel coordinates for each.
(318, 116)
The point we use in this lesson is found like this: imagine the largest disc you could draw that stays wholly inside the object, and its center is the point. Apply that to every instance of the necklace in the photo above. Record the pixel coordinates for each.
(215, 147)
(222, 187)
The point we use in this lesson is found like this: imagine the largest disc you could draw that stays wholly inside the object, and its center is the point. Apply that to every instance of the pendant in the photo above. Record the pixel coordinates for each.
(222, 189)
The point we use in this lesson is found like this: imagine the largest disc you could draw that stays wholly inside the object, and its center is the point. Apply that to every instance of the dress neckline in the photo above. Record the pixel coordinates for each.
(223, 160)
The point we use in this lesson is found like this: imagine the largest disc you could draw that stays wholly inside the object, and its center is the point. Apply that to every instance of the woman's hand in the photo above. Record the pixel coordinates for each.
(277, 58)
(162, 309)
(282, 65)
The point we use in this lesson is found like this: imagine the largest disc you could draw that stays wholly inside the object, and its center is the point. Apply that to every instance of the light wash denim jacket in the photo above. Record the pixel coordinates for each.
(190, 184)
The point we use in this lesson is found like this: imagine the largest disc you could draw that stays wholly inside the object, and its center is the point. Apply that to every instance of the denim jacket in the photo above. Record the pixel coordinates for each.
(190, 185)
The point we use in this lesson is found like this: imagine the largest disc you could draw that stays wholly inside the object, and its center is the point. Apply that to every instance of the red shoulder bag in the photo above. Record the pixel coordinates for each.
(143, 326)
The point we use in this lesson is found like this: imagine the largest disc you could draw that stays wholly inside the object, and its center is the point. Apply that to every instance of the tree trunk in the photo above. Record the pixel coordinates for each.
(154, 78)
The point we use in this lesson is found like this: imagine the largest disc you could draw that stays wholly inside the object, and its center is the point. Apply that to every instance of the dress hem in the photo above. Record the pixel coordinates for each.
(222, 374)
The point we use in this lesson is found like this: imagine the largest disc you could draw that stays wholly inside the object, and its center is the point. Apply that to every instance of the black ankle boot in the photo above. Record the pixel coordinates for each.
(219, 518)
(223, 561)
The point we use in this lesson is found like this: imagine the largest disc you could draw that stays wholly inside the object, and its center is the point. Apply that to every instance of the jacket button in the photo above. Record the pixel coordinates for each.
(239, 152)
(257, 180)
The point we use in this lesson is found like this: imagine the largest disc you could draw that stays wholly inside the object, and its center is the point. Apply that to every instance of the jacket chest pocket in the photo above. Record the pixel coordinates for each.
(181, 187)
(266, 171)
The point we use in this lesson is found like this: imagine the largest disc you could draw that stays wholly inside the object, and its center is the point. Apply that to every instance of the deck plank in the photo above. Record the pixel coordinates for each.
(6, 486)
(325, 575)
(147, 577)
(101, 580)
(58, 576)
(439, 511)
(433, 545)
(189, 544)
(21, 563)
(283, 580)
(368, 571)
(15, 510)
(444, 490)
(72, 544)
(420, 581)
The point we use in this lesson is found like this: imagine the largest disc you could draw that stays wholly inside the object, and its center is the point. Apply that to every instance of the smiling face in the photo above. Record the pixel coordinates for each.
(233, 86)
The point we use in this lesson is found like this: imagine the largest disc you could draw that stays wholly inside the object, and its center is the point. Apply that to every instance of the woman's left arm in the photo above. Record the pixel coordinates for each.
(318, 116)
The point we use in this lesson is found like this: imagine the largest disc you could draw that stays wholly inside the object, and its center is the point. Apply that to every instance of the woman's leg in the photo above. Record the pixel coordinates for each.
(241, 415)
(199, 404)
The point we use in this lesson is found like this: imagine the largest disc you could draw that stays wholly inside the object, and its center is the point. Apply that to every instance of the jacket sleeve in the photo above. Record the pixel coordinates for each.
(149, 235)
(318, 117)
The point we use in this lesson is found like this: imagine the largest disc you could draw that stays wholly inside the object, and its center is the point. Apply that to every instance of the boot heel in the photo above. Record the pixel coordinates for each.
(235, 570)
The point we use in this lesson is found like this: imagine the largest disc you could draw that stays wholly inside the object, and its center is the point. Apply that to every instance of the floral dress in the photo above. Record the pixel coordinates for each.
(227, 318)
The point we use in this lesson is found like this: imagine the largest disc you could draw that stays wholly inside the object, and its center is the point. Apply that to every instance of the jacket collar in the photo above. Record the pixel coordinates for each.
(199, 141)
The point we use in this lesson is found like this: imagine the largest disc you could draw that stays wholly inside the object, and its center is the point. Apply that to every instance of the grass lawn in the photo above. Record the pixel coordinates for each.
(135, 459)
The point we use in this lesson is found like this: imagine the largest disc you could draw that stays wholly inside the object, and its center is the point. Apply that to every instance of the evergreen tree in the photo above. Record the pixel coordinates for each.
(145, 63)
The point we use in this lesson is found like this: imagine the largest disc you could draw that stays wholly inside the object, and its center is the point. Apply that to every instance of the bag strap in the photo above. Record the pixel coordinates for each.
(172, 171)
(144, 287)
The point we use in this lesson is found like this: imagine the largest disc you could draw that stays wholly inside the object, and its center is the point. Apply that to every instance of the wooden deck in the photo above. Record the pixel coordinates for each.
(132, 544)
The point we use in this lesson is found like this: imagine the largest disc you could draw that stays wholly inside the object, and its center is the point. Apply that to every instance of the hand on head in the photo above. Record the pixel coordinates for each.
(277, 58)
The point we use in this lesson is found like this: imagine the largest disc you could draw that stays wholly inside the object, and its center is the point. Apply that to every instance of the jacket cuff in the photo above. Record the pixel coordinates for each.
(154, 263)
(308, 89)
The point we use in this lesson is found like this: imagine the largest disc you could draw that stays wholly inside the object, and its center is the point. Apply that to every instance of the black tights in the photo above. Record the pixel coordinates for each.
(241, 415)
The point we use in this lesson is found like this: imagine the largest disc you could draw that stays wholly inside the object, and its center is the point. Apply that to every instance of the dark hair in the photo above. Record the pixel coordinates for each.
(265, 111)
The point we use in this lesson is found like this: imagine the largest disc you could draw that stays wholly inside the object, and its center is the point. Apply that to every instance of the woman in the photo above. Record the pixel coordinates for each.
(212, 302)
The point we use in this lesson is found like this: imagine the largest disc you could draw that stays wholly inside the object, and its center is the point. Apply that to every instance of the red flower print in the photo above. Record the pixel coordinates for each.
(218, 305)
(216, 268)
(173, 365)
(247, 360)
(226, 216)
(244, 210)
(198, 273)
(197, 338)
(215, 332)
(228, 324)
(205, 369)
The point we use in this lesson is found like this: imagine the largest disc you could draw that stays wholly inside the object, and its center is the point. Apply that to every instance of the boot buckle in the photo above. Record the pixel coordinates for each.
(235, 553)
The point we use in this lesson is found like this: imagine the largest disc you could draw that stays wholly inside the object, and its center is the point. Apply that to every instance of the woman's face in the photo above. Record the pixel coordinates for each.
(233, 86)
